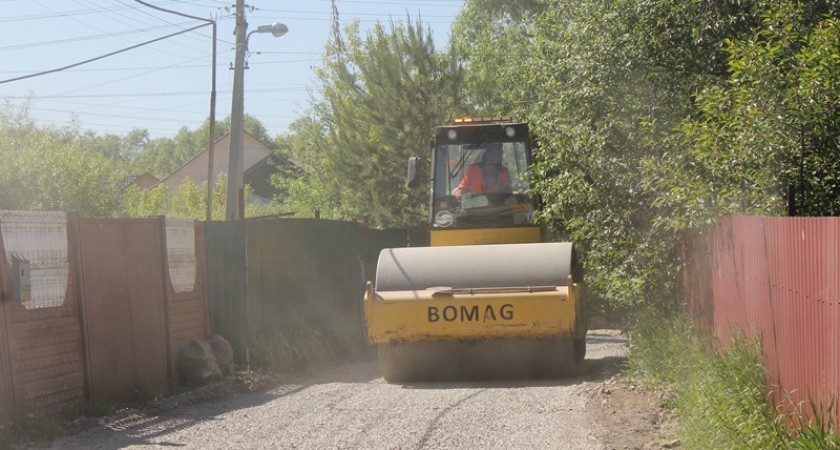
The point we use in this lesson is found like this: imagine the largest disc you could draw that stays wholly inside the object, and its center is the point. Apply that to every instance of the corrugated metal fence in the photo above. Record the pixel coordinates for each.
(267, 275)
(112, 301)
(778, 277)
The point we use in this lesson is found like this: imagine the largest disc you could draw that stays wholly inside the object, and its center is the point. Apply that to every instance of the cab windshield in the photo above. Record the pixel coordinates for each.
(480, 185)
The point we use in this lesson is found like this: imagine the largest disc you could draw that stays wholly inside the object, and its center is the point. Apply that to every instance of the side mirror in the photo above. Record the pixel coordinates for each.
(413, 175)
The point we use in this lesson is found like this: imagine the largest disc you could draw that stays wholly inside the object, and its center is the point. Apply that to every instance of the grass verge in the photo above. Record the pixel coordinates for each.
(721, 394)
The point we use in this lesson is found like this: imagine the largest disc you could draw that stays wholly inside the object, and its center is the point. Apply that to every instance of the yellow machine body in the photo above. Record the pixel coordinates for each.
(490, 313)
(483, 236)
(495, 311)
(488, 299)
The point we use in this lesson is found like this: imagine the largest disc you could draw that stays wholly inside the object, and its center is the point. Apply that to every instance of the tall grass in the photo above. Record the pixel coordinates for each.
(817, 428)
(294, 347)
(721, 394)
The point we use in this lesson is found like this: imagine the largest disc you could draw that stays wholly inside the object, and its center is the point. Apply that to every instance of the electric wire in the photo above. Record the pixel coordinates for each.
(133, 23)
(97, 58)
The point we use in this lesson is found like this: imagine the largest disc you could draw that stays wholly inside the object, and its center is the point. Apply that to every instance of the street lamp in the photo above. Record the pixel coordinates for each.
(234, 205)
(276, 29)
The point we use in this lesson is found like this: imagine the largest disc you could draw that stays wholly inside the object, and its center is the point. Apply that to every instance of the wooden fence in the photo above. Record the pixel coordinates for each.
(778, 277)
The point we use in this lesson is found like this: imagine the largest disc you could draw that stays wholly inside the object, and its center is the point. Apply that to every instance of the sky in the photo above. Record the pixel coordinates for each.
(162, 86)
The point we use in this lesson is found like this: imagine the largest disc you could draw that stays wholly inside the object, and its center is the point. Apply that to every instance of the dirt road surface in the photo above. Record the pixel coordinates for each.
(349, 406)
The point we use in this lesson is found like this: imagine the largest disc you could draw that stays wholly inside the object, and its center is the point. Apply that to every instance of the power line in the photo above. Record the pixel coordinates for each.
(146, 94)
(106, 90)
(101, 57)
(314, 56)
(78, 39)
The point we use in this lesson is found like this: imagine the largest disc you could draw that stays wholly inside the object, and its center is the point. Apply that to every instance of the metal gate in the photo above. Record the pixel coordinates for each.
(124, 309)
(273, 274)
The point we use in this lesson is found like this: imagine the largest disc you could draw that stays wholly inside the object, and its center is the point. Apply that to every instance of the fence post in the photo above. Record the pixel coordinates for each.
(7, 398)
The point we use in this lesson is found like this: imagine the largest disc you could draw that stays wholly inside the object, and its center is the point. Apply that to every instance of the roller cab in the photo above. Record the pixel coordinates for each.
(488, 299)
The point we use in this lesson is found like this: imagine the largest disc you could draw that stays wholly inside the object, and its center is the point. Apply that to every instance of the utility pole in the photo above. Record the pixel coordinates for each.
(234, 207)
(210, 149)
(212, 139)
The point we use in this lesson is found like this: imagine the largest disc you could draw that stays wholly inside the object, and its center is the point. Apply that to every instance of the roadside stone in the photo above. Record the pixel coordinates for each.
(197, 364)
(223, 352)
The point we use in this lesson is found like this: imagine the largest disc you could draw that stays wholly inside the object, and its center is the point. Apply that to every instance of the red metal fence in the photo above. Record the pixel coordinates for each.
(778, 277)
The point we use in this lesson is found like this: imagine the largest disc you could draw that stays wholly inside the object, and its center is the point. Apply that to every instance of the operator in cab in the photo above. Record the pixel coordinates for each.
(487, 175)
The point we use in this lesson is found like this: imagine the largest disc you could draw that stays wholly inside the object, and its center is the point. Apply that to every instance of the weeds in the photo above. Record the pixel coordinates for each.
(292, 348)
(662, 353)
(722, 397)
(32, 428)
(728, 405)
(817, 427)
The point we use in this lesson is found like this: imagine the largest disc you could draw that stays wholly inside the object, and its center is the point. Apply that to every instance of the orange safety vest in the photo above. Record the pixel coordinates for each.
(484, 178)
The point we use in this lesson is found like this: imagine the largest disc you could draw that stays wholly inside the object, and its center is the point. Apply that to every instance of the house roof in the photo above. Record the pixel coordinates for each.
(144, 180)
(254, 153)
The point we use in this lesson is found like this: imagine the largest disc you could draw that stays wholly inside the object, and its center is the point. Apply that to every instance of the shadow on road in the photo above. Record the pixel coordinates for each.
(606, 357)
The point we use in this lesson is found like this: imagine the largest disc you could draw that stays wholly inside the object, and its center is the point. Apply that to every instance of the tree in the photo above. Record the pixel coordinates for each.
(494, 38)
(616, 80)
(253, 126)
(69, 169)
(49, 169)
(305, 187)
(382, 96)
(123, 148)
(188, 201)
(775, 125)
(158, 157)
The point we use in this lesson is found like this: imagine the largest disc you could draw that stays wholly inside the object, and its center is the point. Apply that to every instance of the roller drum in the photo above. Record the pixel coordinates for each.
(478, 266)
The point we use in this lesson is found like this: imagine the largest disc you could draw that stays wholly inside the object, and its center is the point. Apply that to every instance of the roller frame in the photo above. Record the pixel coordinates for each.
(529, 312)
(419, 339)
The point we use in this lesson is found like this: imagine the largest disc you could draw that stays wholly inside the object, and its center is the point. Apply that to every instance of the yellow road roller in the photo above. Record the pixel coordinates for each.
(488, 299)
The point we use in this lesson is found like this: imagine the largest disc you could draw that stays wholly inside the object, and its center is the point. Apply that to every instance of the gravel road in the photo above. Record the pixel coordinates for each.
(349, 406)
